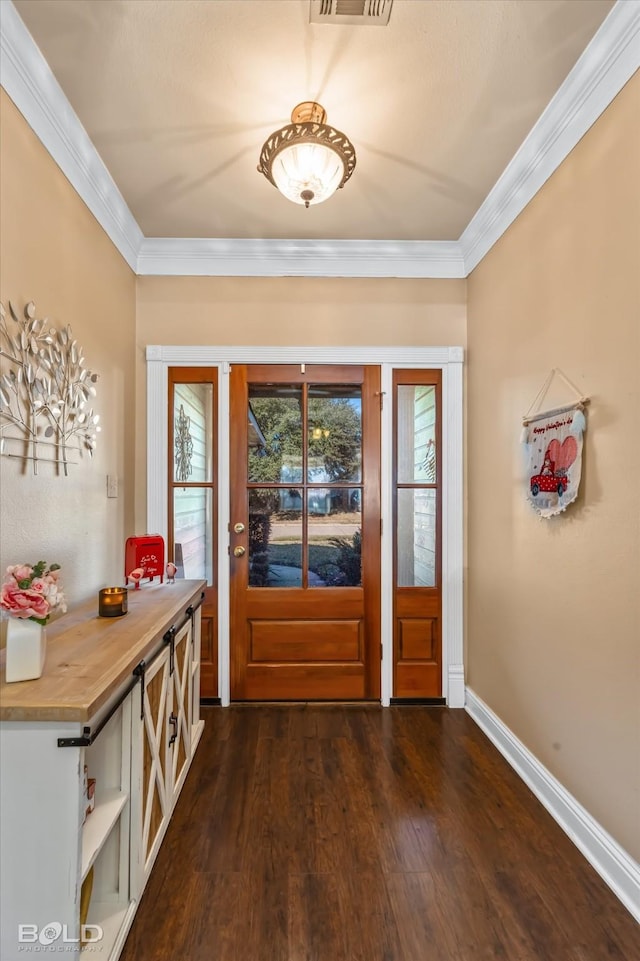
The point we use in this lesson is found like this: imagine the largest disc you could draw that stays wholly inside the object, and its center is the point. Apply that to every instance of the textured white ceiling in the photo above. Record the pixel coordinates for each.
(179, 95)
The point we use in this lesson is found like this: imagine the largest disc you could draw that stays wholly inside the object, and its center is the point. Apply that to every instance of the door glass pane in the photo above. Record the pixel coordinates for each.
(275, 537)
(334, 537)
(416, 538)
(416, 434)
(275, 433)
(334, 424)
(193, 433)
(192, 526)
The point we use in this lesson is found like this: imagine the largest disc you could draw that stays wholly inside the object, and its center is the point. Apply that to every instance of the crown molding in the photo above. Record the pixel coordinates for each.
(29, 81)
(606, 65)
(209, 257)
(608, 62)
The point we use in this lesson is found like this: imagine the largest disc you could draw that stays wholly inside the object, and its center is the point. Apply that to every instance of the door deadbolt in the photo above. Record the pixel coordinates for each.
(238, 551)
(238, 528)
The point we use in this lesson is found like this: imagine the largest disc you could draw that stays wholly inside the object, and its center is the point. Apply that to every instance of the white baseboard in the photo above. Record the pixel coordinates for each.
(617, 868)
(455, 689)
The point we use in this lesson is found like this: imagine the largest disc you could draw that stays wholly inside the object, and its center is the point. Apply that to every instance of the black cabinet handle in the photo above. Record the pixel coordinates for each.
(173, 720)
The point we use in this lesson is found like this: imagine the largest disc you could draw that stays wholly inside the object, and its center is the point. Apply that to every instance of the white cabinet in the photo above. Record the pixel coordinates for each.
(138, 746)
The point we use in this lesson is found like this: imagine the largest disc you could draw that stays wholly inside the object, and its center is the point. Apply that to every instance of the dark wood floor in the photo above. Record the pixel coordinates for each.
(353, 833)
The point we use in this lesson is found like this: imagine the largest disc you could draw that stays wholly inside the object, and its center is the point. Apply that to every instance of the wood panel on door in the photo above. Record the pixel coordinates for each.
(305, 532)
(417, 468)
(193, 498)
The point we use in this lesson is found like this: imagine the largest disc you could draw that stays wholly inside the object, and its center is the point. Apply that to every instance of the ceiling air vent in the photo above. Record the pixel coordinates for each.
(351, 11)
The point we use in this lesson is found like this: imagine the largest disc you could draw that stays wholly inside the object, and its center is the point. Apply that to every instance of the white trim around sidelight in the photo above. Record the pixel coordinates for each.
(224, 518)
(157, 450)
(449, 359)
(617, 868)
(453, 533)
(386, 541)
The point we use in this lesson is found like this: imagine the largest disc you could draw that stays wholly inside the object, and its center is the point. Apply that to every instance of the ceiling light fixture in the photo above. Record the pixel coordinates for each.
(307, 160)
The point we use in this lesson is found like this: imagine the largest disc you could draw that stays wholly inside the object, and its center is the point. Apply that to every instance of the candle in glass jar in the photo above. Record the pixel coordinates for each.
(112, 601)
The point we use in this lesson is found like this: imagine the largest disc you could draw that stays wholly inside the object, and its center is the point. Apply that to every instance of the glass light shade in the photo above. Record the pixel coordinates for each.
(307, 168)
(307, 160)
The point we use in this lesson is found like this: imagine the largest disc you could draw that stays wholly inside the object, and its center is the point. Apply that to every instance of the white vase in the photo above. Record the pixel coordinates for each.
(26, 649)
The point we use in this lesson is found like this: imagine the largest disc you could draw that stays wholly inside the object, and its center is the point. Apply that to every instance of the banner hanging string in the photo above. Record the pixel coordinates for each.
(534, 413)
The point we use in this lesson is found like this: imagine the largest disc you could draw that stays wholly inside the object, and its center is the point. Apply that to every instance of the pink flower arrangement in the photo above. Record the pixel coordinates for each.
(32, 592)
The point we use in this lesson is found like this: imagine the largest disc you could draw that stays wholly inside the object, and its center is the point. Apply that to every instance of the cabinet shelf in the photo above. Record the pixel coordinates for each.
(97, 828)
(114, 917)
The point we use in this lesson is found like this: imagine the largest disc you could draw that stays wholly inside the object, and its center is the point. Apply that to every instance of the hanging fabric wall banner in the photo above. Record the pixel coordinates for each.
(553, 444)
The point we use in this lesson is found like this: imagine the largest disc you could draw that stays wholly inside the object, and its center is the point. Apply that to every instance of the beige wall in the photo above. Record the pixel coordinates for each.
(54, 253)
(294, 311)
(554, 605)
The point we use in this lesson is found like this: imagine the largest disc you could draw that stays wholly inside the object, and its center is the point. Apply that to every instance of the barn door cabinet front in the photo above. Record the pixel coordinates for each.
(164, 739)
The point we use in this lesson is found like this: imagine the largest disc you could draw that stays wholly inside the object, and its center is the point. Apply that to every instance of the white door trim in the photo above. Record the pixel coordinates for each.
(448, 359)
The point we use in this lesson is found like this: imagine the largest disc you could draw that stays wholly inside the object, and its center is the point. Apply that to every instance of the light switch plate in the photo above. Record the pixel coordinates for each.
(112, 485)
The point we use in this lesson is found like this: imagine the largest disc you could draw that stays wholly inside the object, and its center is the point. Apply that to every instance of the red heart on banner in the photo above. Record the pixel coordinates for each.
(563, 455)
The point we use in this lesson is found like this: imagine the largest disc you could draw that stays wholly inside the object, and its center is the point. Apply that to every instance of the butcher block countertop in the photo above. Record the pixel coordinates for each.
(90, 657)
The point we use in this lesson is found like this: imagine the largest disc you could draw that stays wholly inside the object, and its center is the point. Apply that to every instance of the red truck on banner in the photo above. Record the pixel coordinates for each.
(549, 479)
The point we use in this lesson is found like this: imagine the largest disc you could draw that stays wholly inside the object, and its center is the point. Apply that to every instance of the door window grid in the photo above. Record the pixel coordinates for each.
(311, 431)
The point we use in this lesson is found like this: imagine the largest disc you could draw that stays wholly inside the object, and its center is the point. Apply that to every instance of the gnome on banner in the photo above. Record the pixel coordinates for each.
(554, 460)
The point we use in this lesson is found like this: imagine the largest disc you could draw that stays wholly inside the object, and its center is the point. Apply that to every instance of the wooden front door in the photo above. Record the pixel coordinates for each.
(305, 532)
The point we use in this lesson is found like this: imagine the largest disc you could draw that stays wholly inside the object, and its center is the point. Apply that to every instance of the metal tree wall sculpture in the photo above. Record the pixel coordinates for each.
(45, 391)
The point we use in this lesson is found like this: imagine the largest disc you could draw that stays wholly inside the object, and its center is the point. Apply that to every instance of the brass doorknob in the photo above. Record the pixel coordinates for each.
(238, 528)
(238, 551)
